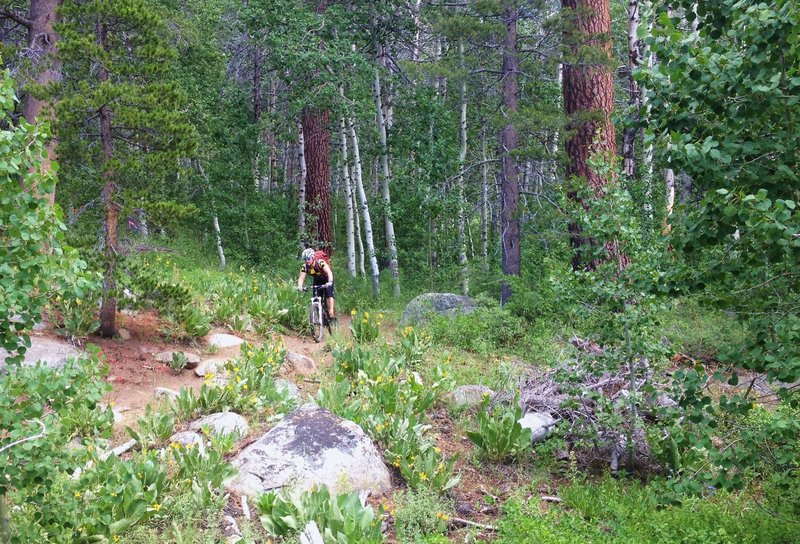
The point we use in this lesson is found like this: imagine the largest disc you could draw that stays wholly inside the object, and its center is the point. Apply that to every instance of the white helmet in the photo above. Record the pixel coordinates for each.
(307, 254)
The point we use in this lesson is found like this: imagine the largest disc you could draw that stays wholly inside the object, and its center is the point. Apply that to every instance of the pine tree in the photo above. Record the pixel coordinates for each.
(119, 114)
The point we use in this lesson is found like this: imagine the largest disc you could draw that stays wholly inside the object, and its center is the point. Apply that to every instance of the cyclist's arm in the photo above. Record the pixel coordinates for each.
(329, 271)
(301, 279)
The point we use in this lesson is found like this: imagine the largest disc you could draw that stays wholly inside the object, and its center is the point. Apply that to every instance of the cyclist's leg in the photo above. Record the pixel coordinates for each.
(330, 302)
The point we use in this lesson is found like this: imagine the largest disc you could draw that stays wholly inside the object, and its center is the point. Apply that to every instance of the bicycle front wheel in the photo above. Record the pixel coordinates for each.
(315, 320)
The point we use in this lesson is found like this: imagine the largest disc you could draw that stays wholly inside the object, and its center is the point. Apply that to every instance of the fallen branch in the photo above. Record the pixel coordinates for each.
(27, 439)
(548, 498)
(465, 522)
(119, 450)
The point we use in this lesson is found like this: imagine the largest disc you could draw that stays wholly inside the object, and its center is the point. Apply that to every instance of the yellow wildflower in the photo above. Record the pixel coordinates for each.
(156, 506)
(366, 315)
(423, 476)
(353, 312)
(442, 516)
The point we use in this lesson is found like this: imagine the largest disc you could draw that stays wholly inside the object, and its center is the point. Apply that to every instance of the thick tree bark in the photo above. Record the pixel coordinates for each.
(301, 192)
(388, 222)
(108, 309)
(509, 181)
(588, 102)
(362, 197)
(318, 199)
(43, 54)
(348, 206)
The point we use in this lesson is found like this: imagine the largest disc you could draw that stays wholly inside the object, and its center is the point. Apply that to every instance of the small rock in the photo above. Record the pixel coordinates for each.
(465, 509)
(123, 334)
(118, 417)
(665, 401)
(540, 424)
(290, 389)
(222, 340)
(163, 392)
(231, 530)
(303, 365)
(39, 327)
(223, 423)
(212, 367)
(469, 395)
(166, 357)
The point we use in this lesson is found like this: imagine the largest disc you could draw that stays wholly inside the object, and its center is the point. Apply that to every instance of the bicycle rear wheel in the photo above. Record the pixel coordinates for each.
(315, 320)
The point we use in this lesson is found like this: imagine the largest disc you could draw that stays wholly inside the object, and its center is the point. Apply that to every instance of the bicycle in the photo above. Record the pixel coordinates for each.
(318, 316)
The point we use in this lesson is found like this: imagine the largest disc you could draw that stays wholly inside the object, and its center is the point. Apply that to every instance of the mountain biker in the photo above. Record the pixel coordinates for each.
(316, 265)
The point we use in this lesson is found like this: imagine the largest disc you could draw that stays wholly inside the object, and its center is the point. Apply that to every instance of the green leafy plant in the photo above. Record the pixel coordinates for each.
(365, 327)
(500, 436)
(341, 518)
(77, 316)
(420, 513)
(204, 472)
(413, 346)
(153, 428)
(178, 362)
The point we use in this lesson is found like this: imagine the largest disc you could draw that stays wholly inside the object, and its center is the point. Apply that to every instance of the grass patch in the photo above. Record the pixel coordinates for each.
(619, 511)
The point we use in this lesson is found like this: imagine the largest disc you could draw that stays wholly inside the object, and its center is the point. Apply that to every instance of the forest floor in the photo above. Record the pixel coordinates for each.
(134, 374)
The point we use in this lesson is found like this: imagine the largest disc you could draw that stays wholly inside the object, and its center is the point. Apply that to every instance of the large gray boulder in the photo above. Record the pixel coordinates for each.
(222, 340)
(311, 447)
(52, 353)
(420, 310)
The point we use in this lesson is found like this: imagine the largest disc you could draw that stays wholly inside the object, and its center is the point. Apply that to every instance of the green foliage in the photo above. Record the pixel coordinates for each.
(365, 327)
(54, 405)
(178, 362)
(420, 513)
(204, 472)
(76, 316)
(388, 400)
(341, 518)
(250, 388)
(613, 511)
(153, 428)
(485, 331)
(413, 346)
(34, 262)
(500, 436)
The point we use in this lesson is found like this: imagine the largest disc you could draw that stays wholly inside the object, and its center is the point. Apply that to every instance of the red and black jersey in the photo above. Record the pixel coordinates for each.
(317, 270)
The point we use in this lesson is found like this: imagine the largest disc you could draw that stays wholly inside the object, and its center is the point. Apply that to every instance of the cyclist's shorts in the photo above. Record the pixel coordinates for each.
(328, 290)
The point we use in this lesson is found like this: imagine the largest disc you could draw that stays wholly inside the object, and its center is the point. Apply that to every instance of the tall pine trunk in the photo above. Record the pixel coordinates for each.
(388, 222)
(301, 192)
(318, 199)
(108, 309)
(43, 54)
(509, 182)
(589, 91)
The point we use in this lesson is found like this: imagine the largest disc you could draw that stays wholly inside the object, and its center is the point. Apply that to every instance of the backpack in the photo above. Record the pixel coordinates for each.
(319, 254)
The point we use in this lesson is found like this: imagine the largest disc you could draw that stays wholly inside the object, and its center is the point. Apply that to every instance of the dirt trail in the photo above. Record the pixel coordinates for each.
(134, 373)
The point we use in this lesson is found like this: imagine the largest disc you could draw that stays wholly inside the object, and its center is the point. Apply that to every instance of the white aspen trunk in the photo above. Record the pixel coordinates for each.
(669, 185)
(362, 197)
(218, 235)
(484, 203)
(417, 31)
(348, 208)
(462, 156)
(389, 224)
(634, 95)
(301, 213)
(360, 241)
